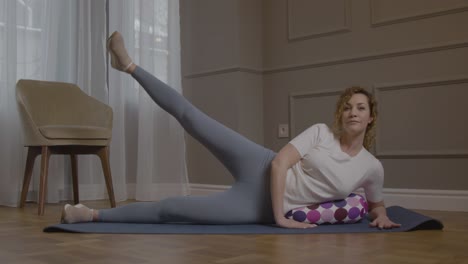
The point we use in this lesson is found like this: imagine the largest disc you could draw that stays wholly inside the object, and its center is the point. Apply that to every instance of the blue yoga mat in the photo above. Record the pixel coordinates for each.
(410, 221)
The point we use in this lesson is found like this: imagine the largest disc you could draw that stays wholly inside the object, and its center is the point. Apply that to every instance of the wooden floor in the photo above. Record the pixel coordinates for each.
(22, 241)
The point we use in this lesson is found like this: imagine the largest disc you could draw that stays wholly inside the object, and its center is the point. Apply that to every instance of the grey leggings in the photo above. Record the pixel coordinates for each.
(247, 201)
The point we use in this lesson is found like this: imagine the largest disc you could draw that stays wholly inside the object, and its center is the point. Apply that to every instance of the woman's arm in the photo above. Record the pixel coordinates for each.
(378, 213)
(285, 159)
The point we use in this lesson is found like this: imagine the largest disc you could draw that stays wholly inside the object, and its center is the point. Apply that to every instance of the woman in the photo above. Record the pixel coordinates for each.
(315, 167)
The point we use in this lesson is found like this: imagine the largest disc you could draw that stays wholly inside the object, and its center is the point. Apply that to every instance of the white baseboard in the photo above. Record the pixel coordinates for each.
(438, 200)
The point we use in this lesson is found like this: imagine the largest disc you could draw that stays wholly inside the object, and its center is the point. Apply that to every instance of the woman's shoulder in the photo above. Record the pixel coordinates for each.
(323, 132)
(316, 134)
(321, 129)
(322, 126)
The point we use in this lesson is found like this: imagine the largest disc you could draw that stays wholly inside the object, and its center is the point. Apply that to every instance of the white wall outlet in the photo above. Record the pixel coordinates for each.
(283, 130)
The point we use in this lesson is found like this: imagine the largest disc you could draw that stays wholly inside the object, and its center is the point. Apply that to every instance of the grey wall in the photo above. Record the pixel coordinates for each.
(222, 61)
(256, 64)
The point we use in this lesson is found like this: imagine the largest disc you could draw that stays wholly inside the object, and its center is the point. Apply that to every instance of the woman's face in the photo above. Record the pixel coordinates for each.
(356, 115)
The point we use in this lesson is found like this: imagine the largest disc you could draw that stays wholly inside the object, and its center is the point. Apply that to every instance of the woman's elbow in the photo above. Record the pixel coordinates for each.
(277, 164)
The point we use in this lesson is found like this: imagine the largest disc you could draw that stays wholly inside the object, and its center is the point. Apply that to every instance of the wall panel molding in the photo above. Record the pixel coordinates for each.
(332, 62)
(293, 97)
(346, 27)
(223, 71)
(377, 22)
(371, 56)
(377, 90)
(380, 153)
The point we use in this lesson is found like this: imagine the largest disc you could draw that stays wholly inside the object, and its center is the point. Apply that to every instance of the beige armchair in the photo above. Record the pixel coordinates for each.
(59, 118)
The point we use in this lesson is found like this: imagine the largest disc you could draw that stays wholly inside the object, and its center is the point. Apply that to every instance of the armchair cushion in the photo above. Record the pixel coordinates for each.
(75, 132)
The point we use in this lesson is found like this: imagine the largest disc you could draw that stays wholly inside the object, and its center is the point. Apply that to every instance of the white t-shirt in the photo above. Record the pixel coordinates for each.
(326, 173)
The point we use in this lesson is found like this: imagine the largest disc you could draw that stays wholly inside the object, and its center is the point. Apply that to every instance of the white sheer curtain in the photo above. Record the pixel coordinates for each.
(64, 40)
(38, 41)
(152, 140)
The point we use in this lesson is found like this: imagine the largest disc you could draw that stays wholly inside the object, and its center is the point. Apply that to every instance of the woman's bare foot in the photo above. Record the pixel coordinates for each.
(119, 56)
(77, 214)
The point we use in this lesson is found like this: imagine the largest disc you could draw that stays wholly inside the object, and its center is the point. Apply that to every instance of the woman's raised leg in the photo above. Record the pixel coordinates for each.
(248, 201)
(237, 153)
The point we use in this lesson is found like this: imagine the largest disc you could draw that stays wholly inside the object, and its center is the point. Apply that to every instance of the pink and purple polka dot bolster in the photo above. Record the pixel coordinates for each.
(349, 210)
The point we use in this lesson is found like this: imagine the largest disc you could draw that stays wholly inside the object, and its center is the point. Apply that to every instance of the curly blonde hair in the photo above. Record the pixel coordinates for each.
(369, 137)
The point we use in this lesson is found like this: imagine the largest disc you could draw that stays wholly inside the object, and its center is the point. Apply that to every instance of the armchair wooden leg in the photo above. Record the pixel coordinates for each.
(45, 155)
(33, 152)
(103, 154)
(74, 167)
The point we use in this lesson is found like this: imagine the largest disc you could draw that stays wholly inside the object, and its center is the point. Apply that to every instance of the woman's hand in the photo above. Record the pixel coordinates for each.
(290, 223)
(378, 212)
(383, 222)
